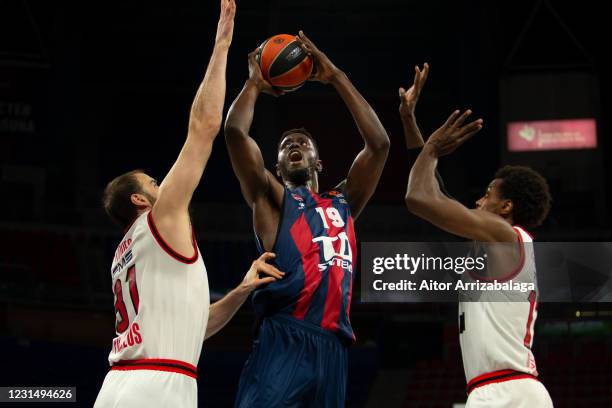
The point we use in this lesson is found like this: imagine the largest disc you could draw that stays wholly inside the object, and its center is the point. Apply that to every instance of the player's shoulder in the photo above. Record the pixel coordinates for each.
(523, 234)
(339, 191)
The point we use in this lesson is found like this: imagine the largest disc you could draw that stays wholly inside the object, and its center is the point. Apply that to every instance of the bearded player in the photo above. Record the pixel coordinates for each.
(495, 336)
(299, 357)
(159, 279)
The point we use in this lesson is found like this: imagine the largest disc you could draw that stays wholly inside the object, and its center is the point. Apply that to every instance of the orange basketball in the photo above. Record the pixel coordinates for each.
(284, 64)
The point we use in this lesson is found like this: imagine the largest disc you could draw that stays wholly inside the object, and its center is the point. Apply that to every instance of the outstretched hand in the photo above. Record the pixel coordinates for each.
(325, 71)
(252, 280)
(453, 133)
(225, 27)
(410, 97)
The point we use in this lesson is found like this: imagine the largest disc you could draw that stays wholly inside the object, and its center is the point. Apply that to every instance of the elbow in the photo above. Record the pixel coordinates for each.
(207, 126)
(231, 130)
(382, 143)
(414, 201)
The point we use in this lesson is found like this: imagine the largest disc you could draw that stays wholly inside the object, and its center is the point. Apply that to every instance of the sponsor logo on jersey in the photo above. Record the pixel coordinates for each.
(335, 193)
(297, 197)
(124, 261)
(343, 258)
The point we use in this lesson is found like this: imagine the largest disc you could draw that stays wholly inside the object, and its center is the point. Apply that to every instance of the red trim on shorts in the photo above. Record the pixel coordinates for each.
(172, 366)
(514, 272)
(497, 377)
(167, 247)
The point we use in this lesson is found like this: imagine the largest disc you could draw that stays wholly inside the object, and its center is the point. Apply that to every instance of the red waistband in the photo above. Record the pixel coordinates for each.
(497, 377)
(172, 366)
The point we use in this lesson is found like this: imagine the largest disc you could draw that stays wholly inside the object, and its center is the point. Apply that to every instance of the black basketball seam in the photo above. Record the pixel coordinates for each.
(295, 67)
(276, 57)
(260, 51)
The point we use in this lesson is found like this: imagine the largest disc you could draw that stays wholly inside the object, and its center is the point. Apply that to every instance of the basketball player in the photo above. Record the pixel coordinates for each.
(159, 278)
(299, 357)
(496, 337)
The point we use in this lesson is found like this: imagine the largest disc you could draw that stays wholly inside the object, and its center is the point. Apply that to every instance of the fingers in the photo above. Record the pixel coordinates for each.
(417, 76)
(402, 93)
(263, 281)
(451, 119)
(462, 118)
(472, 128)
(266, 256)
(307, 43)
(269, 270)
(424, 74)
(265, 268)
(304, 39)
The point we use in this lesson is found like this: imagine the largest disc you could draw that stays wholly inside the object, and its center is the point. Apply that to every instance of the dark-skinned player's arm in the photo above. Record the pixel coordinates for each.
(246, 158)
(425, 199)
(412, 133)
(171, 208)
(222, 311)
(367, 167)
(408, 102)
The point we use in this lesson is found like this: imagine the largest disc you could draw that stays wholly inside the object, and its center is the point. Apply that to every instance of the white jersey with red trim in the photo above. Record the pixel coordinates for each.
(161, 300)
(496, 336)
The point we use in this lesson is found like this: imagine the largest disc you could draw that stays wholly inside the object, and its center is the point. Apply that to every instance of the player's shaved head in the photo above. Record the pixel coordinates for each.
(117, 197)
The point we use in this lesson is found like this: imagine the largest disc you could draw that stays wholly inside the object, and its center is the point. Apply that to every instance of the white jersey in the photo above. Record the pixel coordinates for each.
(496, 337)
(161, 301)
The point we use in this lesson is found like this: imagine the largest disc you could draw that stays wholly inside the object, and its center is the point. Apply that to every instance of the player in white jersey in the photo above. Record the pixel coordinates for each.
(159, 281)
(496, 336)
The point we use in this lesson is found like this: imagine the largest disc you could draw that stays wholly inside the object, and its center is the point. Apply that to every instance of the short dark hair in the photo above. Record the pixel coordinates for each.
(302, 131)
(117, 198)
(529, 193)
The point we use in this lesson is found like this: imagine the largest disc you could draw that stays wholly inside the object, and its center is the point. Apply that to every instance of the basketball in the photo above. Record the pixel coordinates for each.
(284, 64)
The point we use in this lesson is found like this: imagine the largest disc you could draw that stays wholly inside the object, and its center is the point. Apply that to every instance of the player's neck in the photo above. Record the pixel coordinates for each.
(312, 185)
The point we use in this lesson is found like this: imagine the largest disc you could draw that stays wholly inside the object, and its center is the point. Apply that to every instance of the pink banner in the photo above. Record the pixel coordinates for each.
(552, 135)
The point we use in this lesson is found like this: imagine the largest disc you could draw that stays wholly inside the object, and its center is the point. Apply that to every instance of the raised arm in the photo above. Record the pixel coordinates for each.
(222, 311)
(367, 167)
(412, 133)
(171, 207)
(408, 101)
(246, 158)
(424, 198)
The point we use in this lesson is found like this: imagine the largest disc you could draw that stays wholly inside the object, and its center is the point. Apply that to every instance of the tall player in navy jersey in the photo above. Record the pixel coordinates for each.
(299, 357)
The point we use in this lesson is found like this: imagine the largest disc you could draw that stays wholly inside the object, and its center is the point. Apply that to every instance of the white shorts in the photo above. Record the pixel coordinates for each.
(147, 388)
(519, 393)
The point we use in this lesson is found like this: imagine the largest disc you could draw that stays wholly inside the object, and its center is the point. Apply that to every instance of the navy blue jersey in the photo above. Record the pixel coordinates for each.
(316, 248)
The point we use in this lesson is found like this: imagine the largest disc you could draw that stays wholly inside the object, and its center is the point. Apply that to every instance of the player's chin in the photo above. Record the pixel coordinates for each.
(299, 174)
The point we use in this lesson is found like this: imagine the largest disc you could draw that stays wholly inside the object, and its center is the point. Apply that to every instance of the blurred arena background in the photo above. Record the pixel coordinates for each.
(88, 91)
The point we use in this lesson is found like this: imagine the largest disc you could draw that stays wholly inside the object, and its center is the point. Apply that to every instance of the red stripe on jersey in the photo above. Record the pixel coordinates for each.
(333, 298)
(532, 304)
(131, 276)
(302, 236)
(497, 377)
(167, 247)
(174, 366)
